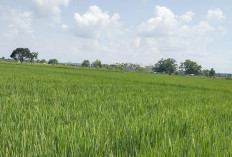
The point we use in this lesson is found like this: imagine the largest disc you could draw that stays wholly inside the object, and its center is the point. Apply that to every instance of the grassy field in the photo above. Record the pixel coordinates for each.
(63, 111)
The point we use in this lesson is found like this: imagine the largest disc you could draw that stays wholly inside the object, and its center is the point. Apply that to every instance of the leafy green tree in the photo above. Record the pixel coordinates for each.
(85, 63)
(141, 69)
(119, 67)
(20, 54)
(105, 66)
(167, 66)
(135, 66)
(97, 64)
(53, 61)
(190, 67)
(43, 61)
(212, 73)
(33, 56)
(205, 72)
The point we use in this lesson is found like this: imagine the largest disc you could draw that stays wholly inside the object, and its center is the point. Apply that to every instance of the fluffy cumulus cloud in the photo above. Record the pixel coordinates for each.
(171, 35)
(99, 36)
(215, 14)
(187, 17)
(164, 23)
(95, 24)
(49, 8)
(164, 35)
(17, 22)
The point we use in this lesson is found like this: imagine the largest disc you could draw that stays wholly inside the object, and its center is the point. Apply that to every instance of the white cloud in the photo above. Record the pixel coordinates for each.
(215, 14)
(64, 27)
(17, 22)
(95, 24)
(164, 23)
(203, 27)
(99, 36)
(137, 42)
(171, 36)
(187, 17)
(49, 8)
(164, 35)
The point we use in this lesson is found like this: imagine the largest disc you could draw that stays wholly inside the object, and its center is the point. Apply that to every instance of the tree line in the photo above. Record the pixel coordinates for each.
(188, 67)
(118, 66)
(165, 66)
(24, 55)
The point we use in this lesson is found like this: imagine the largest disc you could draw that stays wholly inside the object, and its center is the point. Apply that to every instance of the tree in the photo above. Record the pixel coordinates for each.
(105, 66)
(97, 64)
(20, 54)
(119, 66)
(167, 66)
(53, 61)
(205, 72)
(190, 67)
(135, 66)
(85, 63)
(212, 73)
(141, 69)
(43, 61)
(32, 56)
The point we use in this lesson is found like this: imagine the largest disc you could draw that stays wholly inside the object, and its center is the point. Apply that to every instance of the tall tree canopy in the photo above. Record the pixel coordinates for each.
(53, 61)
(33, 56)
(205, 72)
(212, 73)
(97, 64)
(43, 61)
(20, 54)
(85, 63)
(190, 67)
(167, 66)
(24, 54)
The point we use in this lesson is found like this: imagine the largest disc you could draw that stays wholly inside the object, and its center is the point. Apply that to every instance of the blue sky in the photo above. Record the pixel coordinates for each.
(138, 31)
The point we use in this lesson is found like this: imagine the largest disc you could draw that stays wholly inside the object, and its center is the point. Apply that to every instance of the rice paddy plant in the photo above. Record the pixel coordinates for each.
(64, 111)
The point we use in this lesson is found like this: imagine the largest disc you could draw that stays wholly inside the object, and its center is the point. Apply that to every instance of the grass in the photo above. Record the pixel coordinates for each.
(64, 111)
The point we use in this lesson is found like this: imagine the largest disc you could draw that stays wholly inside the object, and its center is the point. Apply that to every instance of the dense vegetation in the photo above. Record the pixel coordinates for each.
(50, 110)
(167, 66)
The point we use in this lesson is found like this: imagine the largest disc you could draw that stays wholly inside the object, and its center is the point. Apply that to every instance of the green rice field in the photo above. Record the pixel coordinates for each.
(65, 111)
